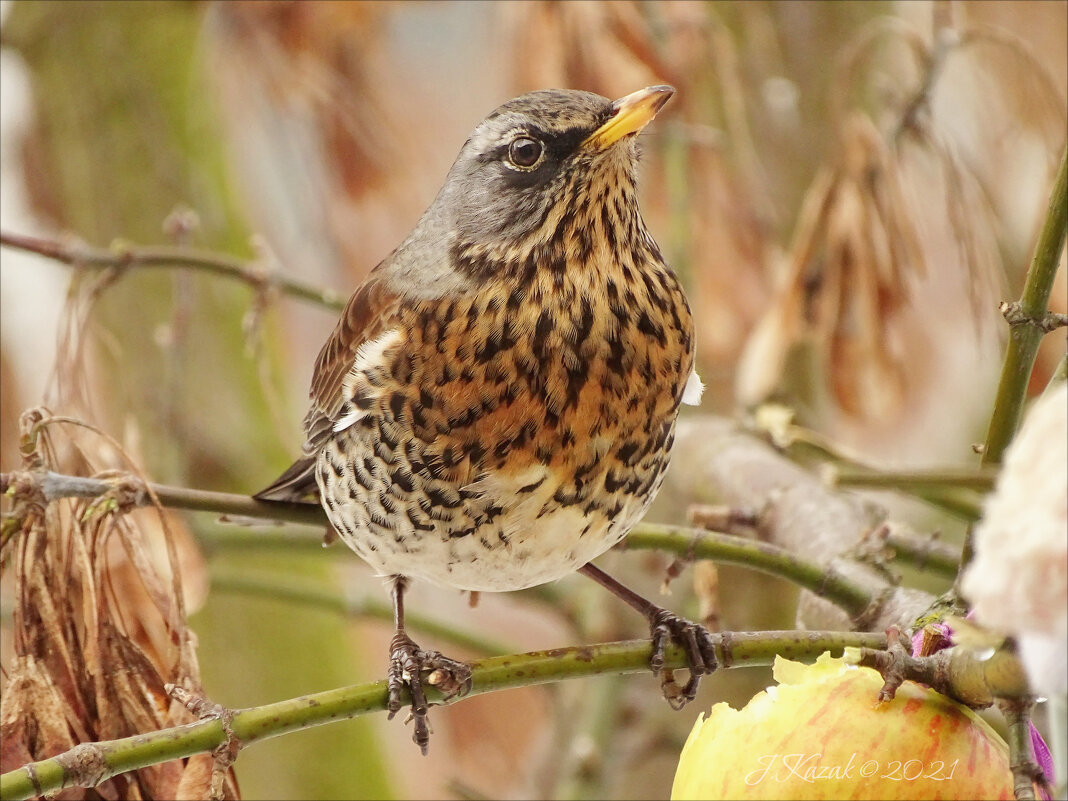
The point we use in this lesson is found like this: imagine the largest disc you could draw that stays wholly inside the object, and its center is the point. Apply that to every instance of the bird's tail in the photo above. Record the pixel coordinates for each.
(296, 484)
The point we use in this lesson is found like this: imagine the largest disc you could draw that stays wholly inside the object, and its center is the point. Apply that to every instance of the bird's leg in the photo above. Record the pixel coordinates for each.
(409, 664)
(694, 639)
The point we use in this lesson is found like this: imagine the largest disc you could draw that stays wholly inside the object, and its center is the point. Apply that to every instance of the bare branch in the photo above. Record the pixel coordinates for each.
(124, 256)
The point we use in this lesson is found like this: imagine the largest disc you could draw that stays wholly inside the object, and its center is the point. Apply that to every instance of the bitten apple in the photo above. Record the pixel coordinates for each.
(822, 733)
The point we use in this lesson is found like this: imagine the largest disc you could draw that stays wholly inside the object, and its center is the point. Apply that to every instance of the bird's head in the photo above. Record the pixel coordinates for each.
(540, 159)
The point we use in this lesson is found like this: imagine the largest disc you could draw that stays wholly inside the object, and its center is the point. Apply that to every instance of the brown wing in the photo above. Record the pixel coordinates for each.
(370, 306)
(363, 319)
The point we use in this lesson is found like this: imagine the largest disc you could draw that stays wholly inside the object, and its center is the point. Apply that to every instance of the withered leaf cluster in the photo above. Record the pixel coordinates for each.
(98, 626)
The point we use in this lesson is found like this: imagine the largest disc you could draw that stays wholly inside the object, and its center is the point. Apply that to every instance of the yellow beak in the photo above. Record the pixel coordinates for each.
(630, 115)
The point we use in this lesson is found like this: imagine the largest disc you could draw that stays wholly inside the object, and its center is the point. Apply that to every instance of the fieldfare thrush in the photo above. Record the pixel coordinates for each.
(496, 406)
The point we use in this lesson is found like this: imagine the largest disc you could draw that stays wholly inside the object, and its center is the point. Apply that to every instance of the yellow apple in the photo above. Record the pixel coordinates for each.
(821, 733)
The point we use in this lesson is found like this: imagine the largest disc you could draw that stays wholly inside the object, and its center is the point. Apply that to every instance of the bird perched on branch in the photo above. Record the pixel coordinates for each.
(497, 404)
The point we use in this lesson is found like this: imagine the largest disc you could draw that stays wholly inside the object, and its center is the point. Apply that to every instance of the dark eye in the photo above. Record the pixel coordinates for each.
(524, 152)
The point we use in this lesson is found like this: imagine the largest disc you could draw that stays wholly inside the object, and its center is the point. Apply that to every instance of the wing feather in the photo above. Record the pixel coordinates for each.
(367, 314)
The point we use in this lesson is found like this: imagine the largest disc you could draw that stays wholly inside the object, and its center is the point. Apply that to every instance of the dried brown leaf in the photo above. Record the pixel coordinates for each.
(99, 626)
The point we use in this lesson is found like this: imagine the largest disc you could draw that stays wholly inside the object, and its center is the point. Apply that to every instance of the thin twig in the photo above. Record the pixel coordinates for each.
(489, 675)
(924, 553)
(56, 485)
(857, 601)
(168, 256)
(914, 481)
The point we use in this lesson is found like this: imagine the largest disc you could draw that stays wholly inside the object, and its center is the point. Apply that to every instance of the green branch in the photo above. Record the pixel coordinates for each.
(489, 675)
(1024, 338)
(916, 481)
(825, 582)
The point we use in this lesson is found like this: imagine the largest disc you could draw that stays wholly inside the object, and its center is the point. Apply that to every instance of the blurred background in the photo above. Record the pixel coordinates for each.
(846, 189)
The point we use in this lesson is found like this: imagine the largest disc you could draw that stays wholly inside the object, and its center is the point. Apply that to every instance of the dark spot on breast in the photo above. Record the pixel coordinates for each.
(502, 448)
(565, 496)
(404, 480)
(420, 522)
(585, 469)
(449, 457)
(443, 497)
(608, 227)
(529, 429)
(576, 380)
(402, 368)
(465, 418)
(488, 349)
(612, 483)
(475, 452)
(509, 394)
(531, 487)
(662, 436)
(615, 355)
(388, 435)
(625, 453)
(434, 467)
(508, 337)
(418, 418)
(650, 328)
(396, 405)
(585, 243)
(541, 333)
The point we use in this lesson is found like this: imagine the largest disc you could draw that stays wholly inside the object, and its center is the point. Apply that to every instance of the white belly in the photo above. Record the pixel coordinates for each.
(531, 541)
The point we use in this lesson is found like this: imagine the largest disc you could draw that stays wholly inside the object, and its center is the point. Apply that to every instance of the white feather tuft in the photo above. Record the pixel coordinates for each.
(695, 388)
(371, 355)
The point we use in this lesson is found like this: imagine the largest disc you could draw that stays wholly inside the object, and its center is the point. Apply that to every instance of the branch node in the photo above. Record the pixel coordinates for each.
(225, 753)
(85, 765)
(31, 771)
(726, 644)
(1015, 315)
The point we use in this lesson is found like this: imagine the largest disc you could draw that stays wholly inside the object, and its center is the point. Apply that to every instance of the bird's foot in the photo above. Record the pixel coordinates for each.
(412, 666)
(700, 650)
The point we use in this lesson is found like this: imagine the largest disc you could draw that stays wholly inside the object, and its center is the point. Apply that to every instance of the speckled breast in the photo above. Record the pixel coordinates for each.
(512, 436)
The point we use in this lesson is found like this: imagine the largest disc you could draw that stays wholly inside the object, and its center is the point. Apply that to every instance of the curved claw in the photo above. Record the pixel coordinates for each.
(695, 640)
(412, 666)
